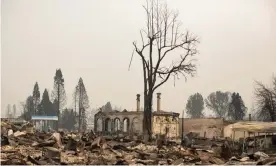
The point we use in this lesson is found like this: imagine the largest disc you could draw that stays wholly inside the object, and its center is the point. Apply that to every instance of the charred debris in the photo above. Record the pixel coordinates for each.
(21, 144)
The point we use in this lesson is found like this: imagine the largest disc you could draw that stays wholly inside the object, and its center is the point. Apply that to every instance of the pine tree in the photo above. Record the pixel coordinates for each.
(46, 106)
(68, 119)
(108, 107)
(36, 96)
(28, 109)
(59, 92)
(80, 95)
(237, 109)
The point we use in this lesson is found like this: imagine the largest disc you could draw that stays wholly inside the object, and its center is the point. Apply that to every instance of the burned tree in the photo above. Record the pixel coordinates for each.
(266, 101)
(81, 97)
(160, 40)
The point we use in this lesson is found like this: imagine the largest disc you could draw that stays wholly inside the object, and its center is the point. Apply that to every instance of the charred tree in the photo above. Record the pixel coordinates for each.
(160, 40)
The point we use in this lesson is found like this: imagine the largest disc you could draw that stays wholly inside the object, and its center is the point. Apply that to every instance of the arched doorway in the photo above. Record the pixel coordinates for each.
(135, 125)
(126, 125)
(99, 125)
(107, 124)
(117, 124)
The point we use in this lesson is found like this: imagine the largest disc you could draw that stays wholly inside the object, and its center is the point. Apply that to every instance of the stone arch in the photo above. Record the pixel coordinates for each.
(135, 124)
(126, 124)
(99, 125)
(117, 124)
(107, 125)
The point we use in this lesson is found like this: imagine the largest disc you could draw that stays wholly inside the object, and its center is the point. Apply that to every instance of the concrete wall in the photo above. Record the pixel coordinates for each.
(208, 127)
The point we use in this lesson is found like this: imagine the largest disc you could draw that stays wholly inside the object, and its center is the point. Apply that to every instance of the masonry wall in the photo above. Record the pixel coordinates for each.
(114, 122)
(163, 123)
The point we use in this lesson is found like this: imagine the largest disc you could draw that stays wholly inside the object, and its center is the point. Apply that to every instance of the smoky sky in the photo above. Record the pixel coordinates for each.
(93, 40)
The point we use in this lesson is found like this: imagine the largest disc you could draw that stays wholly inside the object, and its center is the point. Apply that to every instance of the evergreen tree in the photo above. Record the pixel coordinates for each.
(59, 91)
(55, 107)
(108, 107)
(46, 106)
(36, 96)
(68, 119)
(195, 106)
(237, 109)
(81, 96)
(28, 109)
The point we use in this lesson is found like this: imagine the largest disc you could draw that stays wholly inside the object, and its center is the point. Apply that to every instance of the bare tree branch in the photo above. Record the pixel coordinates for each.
(131, 59)
(266, 102)
(164, 38)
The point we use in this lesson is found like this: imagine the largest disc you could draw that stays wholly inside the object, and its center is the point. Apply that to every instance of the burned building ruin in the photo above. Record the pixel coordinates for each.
(131, 122)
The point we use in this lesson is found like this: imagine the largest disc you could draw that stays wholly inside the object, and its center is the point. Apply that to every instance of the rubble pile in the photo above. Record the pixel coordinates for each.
(22, 145)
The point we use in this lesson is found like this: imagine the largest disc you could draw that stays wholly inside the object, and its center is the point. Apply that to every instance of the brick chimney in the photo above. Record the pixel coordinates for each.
(158, 101)
(138, 102)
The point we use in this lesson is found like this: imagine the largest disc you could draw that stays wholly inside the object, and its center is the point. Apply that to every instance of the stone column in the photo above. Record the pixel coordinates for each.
(158, 101)
(122, 125)
(112, 125)
(138, 102)
(103, 124)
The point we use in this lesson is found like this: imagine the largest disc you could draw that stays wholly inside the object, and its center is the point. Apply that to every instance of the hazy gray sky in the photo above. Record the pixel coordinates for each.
(93, 40)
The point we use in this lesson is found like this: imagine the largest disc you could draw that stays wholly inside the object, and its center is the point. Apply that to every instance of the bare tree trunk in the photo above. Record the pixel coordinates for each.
(156, 38)
(147, 122)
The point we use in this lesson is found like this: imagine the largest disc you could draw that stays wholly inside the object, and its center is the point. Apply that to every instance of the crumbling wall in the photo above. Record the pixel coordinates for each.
(128, 122)
(165, 123)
